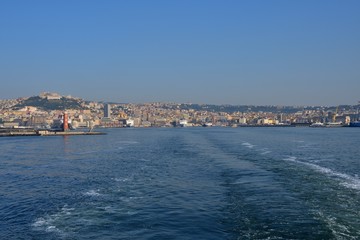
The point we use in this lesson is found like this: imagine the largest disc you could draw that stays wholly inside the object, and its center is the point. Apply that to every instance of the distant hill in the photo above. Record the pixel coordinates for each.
(273, 109)
(239, 108)
(50, 104)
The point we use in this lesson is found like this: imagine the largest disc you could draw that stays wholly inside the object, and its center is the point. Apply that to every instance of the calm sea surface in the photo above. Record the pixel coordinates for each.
(183, 183)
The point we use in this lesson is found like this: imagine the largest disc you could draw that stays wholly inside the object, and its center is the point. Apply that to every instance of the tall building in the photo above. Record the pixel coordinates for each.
(107, 110)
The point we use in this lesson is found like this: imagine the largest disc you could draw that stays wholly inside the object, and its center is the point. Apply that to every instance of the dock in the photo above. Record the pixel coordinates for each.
(67, 133)
(32, 132)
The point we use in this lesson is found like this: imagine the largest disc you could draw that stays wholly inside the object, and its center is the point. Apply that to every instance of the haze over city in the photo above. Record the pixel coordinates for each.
(216, 52)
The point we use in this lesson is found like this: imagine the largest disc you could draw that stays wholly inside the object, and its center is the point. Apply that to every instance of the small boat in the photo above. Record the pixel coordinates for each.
(317, 124)
(183, 123)
(208, 124)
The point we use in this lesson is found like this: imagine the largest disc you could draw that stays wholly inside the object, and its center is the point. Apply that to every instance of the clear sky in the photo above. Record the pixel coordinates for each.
(277, 52)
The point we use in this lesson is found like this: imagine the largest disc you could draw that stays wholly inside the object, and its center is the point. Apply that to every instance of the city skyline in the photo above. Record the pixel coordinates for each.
(58, 96)
(211, 52)
(45, 110)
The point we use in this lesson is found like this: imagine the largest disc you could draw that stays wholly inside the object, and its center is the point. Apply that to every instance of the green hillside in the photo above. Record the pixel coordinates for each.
(53, 104)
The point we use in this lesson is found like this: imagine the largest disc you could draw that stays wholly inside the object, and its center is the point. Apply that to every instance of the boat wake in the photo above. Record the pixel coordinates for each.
(49, 223)
(346, 180)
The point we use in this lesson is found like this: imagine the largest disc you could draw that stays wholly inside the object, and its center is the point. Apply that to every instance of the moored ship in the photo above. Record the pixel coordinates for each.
(354, 124)
(183, 123)
(317, 124)
(334, 124)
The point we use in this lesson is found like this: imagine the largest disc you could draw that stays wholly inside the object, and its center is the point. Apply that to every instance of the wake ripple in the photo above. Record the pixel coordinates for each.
(339, 230)
(93, 193)
(48, 223)
(248, 145)
(348, 181)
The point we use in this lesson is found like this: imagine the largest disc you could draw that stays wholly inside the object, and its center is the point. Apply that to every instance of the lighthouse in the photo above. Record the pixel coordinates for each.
(65, 122)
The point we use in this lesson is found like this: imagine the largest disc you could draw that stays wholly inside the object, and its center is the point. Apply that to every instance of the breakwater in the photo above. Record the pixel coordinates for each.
(32, 132)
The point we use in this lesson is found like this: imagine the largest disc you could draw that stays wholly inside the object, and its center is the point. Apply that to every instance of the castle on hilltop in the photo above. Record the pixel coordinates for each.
(54, 96)
(50, 96)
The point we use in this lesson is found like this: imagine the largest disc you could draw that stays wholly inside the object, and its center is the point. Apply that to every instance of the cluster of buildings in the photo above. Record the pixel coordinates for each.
(98, 114)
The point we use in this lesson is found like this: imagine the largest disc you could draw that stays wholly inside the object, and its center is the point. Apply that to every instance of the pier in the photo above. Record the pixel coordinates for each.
(13, 132)
(67, 133)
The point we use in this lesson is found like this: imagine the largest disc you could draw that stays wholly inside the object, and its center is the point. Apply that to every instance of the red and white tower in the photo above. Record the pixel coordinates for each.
(65, 122)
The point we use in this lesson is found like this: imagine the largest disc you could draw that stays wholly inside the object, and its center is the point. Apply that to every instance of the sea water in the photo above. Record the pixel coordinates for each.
(182, 183)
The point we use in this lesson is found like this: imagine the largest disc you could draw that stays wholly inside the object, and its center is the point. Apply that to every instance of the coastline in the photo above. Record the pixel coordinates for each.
(32, 132)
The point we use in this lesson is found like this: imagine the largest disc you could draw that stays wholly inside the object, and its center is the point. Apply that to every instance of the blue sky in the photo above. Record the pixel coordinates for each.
(222, 52)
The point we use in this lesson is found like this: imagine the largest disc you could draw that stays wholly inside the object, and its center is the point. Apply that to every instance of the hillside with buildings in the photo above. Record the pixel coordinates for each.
(51, 101)
(46, 111)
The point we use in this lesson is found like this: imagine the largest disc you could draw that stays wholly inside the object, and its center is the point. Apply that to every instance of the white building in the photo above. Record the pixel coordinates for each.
(130, 122)
(242, 120)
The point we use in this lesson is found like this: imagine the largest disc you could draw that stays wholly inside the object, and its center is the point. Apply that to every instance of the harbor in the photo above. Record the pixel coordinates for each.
(13, 132)
(64, 130)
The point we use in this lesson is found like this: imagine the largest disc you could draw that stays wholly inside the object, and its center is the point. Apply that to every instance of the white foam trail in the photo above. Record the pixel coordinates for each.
(339, 230)
(353, 185)
(66, 210)
(52, 229)
(349, 181)
(48, 223)
(93, 193)
(290, 158)
(40, 222)
(248, 145)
